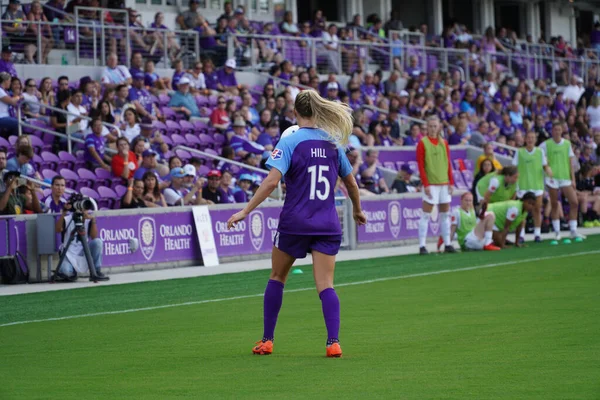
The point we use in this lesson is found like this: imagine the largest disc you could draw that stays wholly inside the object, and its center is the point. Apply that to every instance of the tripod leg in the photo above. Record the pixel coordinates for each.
(64, 253)
(88, 256)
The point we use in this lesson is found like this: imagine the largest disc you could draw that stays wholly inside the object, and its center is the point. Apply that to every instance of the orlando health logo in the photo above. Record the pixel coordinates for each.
(147, 236)
(276, 154)
(257, 228)
(394, 218)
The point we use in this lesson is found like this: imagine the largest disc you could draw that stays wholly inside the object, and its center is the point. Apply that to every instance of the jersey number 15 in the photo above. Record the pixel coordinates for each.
(316, 176)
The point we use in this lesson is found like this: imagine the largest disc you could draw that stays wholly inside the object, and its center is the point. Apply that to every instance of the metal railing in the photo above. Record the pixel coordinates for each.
(67, 135)
(232, 162)
(400, 116)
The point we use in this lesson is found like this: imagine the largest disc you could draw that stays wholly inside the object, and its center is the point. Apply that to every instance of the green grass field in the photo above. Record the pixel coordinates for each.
(520, 328)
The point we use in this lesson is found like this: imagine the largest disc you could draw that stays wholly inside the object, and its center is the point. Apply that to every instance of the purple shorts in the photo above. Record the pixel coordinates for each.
(298, 246)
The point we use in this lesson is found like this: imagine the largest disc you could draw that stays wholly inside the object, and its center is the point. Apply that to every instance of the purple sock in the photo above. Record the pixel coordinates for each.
(272, 305)
(331, 313)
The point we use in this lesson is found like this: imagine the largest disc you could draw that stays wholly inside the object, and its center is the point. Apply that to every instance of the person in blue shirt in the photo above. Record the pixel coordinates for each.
(21, 162)
(310, 159)
(183, 101)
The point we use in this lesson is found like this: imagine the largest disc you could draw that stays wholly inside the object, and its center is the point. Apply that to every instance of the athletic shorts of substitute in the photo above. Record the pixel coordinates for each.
(472, 242)
(439, 195)
(557, 183)
(298, 246)
(521, 193)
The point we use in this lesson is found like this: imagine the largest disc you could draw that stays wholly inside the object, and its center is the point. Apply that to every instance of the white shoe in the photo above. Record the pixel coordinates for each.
(578, 235)
(557, 236)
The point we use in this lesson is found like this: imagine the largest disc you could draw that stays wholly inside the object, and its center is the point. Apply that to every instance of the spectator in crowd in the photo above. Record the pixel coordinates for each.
(288, 26)
(21, 162)
(173, 48)
(487, 167)
(587, 193)
(47, 95)
(175, 196)
(134, 197)
(414, 135)
(152, 136)
(331, 43)
(148, 164)
(76, 108)
(137, 63)
(270, 137)
(13, 202)
(115, 75)
(405, 181)
(189, 19)
(371, 176)
(156, 84)
(8, 123)
(196, 77)
(152, 192)
(63, 83)
(220, 117)
(95, 145)
(211, 192)
(131, 128)
(178, 72)
(3, 169)
(182, 100)
(124, 163)
(121, 101)
(32, 108)
(574, 90)
(488, 154)
(226, 77)
(227, 194)
(17, 31)
(242, 192)
(55, 203)
(36, 14)
(6, 64)
(140, 97)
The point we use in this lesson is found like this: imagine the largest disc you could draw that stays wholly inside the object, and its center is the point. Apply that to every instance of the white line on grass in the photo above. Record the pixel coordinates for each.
(390, 278)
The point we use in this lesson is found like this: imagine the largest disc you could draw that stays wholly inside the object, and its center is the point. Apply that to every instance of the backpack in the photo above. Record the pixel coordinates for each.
(13, 269)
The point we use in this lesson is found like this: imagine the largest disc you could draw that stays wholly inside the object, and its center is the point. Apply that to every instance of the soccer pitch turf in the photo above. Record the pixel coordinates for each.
(516, 324)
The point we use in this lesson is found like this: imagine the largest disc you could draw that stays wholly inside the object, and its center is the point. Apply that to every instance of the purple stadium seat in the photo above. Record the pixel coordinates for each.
(48, 173)
(89, 192)
(88, 177)
(73, 181)
(107, 197)
(203, 170)
(193, 141)
(168, 141)
(163, 100)
(67, 160)
(186, 127)
(206, 140)
(120, 190)
(107, 178)
(184, 155)
(179, 140)
(201, 101)
(458, 180)
(37, 161)
(38, 145)
(468, 177)
(211, 151)
(219, 140)
(47, 192)
(173, 128)
(200, 127)
(160, 126)
(4, 144)
(469, 164)
(168, 113)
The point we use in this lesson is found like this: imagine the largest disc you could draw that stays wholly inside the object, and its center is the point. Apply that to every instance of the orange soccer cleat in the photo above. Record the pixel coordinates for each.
(263, 348)
(491, 247)
(334, 350)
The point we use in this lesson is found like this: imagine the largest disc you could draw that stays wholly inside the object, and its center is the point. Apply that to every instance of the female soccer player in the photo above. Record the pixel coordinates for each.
(473, 233)
(559, 154)
(531, 163)
(433, 158)
(498, 186)
(311, 160)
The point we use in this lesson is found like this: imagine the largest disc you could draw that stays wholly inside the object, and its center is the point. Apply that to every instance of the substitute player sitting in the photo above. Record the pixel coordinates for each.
(510, 216)
(497, 186)
(560, 154)
(473, 233)
(311, 159)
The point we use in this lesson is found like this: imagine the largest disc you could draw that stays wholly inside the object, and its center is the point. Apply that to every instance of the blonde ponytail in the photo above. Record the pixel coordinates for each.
(334, 118)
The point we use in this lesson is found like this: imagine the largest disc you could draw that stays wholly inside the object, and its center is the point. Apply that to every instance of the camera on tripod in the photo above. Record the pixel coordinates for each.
(80, 203)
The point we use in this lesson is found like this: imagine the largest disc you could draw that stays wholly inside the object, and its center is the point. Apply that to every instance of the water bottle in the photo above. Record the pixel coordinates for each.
(64, 60)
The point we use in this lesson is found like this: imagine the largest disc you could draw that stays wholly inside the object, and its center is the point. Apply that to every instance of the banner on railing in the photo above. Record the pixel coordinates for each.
(390, 220)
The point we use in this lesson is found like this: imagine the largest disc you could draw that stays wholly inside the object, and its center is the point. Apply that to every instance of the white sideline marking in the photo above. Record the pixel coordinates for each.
(390, 278)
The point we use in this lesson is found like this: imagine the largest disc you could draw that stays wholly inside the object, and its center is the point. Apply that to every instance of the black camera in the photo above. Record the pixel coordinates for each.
(80, 203)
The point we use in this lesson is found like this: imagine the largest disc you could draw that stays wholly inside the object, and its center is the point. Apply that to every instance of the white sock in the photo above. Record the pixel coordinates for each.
(445, 228)
(537, 231)
(522, 234)
(487, 236)
(573, 226)
(556, 225)
(423, 226)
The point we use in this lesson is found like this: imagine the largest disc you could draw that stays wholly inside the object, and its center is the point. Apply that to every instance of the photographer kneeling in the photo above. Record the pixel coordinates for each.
(75, 261)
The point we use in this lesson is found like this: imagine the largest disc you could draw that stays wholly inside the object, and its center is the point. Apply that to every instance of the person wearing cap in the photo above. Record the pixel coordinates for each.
(148, 164)
(17, 32)
(152, 136)
(176, 195)
(405, 182)
(190, 177)
(95, 145)
(384, 138)
(242, 192)
(140, 97)
(211, 192)
(182, 100)
(226, 77)
(6, 64)
(333, 91)
(114, 74)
